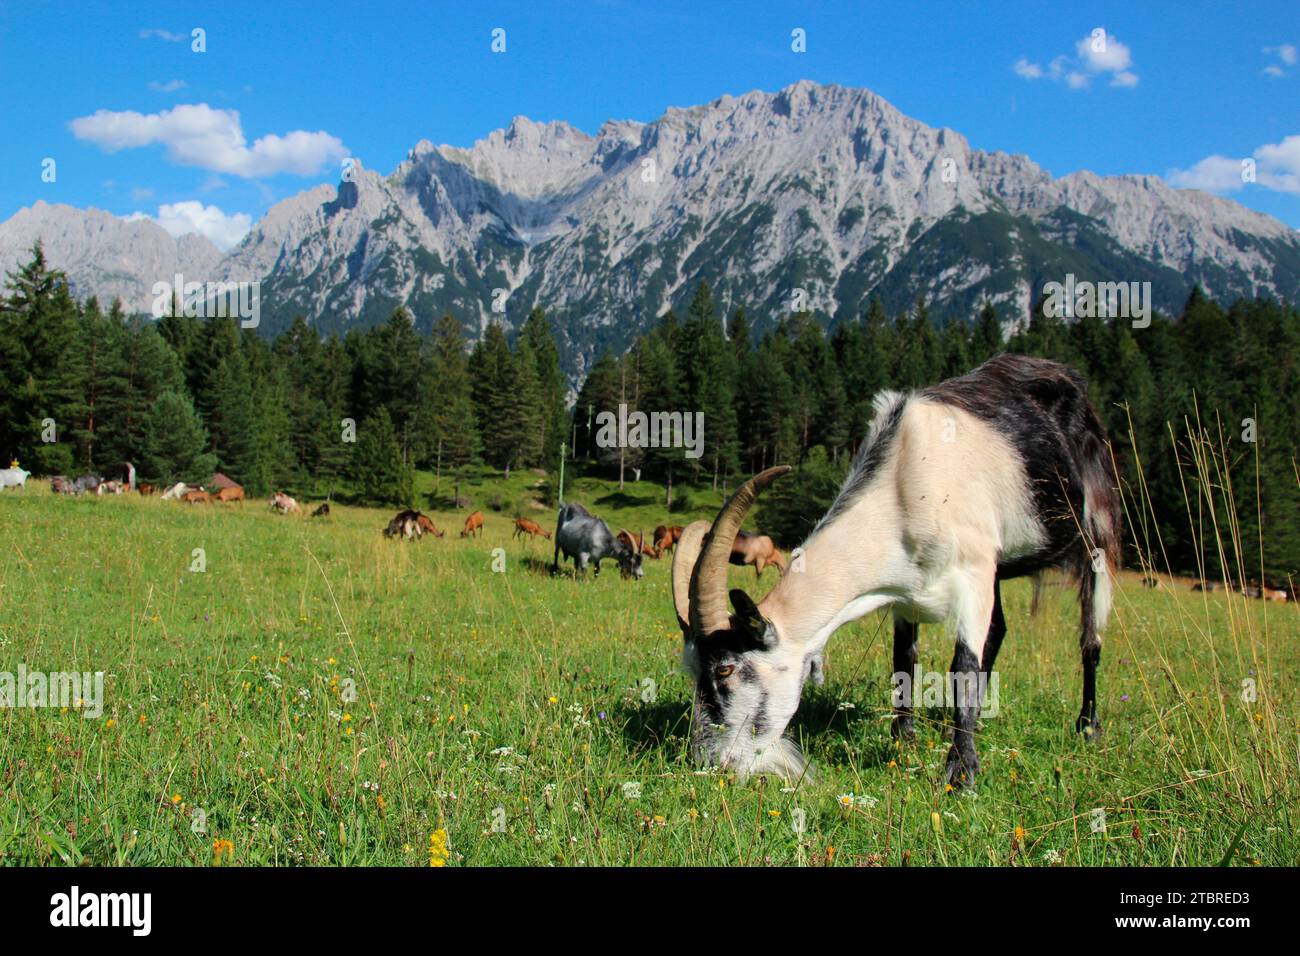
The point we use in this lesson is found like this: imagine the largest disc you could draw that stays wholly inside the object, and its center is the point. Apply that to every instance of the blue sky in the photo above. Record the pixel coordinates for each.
(137, 122)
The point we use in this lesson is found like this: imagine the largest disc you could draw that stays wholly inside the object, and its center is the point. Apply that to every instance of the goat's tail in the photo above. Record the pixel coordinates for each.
(1102, 517)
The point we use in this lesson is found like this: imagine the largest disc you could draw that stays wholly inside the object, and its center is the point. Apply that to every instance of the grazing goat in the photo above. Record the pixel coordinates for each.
(231, 493)
(110, 488)
(586, 539)
(14, 478)
(196, 496)
(665, 537)
(994, 475)
(61, 485)
(427, 526)
(472, 524)
(146, 489)
(636, 542)
(405, 524)
(758, 550)
(175, 491)
(284, 504)
(323, 511)
(86, 483)
(529, 527)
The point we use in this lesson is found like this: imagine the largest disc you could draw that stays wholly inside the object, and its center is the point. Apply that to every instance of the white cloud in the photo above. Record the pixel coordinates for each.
(1277, 167)
(1030, 71)
(192, 216)
(140, 194)
(1286, 53)
(1104, 54)
(163, 35)
(171, 86)
(198, 135)
(1096, 54)
(1215, 174)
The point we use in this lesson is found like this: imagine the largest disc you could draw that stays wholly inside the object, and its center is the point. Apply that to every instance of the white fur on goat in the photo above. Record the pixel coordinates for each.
(996, 474)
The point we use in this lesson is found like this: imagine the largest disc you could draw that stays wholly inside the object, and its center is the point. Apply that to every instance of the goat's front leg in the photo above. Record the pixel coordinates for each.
(966, 676)
(904, 672)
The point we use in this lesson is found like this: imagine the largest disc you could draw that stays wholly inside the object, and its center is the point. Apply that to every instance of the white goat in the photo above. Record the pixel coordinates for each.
(993, 475)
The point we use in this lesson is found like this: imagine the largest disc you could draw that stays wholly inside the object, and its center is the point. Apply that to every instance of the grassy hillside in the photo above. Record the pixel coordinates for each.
(516, 718)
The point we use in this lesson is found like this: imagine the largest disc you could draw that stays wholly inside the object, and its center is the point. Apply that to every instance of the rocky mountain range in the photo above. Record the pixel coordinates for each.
(814, 197)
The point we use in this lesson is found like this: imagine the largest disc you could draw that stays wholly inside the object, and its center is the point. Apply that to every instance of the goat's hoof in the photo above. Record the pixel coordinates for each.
(1089, 727)
(962, 768)
(902, 729)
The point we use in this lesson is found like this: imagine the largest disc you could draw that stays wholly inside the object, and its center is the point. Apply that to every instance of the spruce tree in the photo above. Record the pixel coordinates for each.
(175, 445)
(378, 472)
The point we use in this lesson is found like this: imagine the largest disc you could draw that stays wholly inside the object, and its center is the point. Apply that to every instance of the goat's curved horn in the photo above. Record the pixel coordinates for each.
(684, 555)
(708, 592)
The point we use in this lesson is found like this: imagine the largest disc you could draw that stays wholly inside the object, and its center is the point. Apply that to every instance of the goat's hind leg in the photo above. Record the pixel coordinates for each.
(1088, 723)
(966, 676)
(904, 671)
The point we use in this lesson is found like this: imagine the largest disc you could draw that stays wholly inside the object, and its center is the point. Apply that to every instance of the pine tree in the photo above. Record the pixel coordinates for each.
(48, 387)
(986, 337)
(523, 409)
(491, 377)
(175, 445)
(448, 410)
(378, 472)
(599, 393)
(552, 386)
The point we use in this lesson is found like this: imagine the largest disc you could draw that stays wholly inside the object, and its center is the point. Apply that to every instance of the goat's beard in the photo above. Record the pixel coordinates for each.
(785, 759)
(782, 757)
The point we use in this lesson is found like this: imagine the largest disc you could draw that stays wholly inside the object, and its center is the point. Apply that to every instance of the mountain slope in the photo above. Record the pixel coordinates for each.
(815, 196)
(106, 255)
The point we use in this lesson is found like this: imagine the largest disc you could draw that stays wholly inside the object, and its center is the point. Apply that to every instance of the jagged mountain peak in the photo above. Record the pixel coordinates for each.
(817, 193)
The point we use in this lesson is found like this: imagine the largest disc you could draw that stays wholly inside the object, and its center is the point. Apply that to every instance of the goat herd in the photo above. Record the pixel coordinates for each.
(579, 535)
(587, 540)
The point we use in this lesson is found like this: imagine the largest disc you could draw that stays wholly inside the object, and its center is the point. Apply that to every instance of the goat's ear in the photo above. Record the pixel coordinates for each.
(749, 620)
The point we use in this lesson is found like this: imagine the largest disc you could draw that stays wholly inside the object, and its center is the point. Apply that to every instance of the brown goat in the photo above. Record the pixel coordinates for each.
(758, 550)
(146, 489)
(530, 527)
(231, 493)
(473, 523)
(427, 526)
(197, 496)
(665, 537)
(636, 542)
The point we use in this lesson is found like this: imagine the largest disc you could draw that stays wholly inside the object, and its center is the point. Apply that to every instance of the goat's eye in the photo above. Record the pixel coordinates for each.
(724, 671)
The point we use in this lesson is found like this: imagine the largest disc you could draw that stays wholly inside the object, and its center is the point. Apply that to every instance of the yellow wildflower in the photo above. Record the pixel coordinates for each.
(438, 851)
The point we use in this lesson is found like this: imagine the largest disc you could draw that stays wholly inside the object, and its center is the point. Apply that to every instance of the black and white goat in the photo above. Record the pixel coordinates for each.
(997, 474)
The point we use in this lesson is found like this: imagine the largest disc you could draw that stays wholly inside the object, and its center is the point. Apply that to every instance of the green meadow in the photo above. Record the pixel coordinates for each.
(320, 695)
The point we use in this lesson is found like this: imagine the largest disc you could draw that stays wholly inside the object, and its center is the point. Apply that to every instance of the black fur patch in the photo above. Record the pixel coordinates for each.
(1041, 407)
